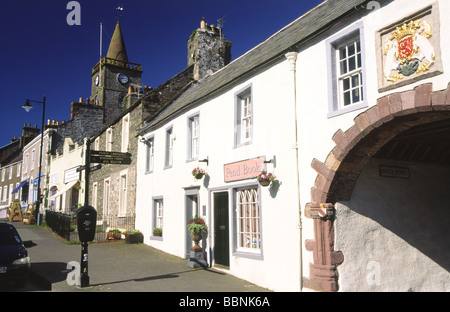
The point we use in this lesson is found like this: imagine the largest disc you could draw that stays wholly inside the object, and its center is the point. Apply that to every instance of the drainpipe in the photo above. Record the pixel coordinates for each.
(292, 58)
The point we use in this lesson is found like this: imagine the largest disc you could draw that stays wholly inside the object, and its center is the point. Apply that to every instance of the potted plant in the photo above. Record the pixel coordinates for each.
(265, 178)
(133, 237)
(198, 173)
(157, 232)
(197, 227)
(114, 234)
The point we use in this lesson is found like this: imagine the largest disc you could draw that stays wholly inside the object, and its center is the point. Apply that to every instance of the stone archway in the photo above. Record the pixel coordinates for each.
(336, 177)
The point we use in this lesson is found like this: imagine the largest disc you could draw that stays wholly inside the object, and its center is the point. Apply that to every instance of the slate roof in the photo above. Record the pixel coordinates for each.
(287, 39)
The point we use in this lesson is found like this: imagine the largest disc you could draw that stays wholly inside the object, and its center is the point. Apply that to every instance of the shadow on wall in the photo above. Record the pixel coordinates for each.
(400, 223)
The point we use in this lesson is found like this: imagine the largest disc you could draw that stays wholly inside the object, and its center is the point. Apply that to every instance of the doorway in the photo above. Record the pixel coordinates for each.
(221, 230)
(192, 210)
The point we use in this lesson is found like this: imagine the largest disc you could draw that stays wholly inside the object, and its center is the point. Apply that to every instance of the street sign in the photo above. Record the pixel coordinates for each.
(117, 160)
(81, 168)
(111, 154)
(104, 157)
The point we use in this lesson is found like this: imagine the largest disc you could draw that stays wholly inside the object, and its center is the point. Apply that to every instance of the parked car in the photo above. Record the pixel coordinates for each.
(15, 263)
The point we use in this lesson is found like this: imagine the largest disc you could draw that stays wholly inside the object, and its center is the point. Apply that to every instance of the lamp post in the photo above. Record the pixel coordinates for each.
(27, 108)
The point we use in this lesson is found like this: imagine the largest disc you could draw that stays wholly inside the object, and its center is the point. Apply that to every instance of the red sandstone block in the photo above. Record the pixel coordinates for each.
(373, 114)
(395, 104)
(385, 109)
(423, 97)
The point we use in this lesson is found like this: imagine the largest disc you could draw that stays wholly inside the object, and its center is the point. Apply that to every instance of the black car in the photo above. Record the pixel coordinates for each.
(14, 260)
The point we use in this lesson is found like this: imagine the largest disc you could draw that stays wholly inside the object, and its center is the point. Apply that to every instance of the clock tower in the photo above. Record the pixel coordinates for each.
(112, 76)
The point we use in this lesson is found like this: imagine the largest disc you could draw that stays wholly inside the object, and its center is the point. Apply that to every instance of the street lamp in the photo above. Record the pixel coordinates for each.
(27, 108)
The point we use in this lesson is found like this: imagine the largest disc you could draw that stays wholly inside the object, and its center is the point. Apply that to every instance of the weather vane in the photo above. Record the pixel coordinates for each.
(119, 12)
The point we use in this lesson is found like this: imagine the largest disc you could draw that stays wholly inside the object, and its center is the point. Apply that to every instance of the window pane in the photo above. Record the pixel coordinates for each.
(343, 67)
(347, 98)
(342, 53)
(351, 50)
(351, 63)
(346, 84)
(355, 94)
(355, 81)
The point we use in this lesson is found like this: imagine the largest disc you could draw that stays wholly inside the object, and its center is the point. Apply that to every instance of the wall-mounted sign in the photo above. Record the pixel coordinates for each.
(71, 175)
(245, 169)
(394, 172)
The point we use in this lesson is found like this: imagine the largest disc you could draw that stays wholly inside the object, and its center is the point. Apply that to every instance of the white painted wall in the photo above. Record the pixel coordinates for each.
(394, 232)
(273, 136)
(273, 128)
(316, 129)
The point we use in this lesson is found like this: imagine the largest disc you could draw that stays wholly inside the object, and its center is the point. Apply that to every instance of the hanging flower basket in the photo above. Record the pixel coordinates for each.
(198, 173)
(265, 179)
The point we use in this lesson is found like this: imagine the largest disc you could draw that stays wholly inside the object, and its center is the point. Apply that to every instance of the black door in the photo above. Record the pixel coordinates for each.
(221, 229)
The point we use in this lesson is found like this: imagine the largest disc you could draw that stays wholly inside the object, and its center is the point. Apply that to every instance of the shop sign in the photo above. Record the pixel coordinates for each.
(245, 169)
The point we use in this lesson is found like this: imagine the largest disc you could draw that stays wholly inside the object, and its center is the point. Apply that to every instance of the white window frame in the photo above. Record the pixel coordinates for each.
(33, 157)
(5, 193)
(336, 105)
(168, 162)
(106, 196)
(149, 154)
(97, 144)
(158, 213)
(123, 184)
(11, 189)
(108, 139)
(94, 194)
(125, 133)
(18, 169)
(10, 172)
(248, 241)
(193, 141)
(18, 191)
(25, 164)
(3, 174)
(243, 119)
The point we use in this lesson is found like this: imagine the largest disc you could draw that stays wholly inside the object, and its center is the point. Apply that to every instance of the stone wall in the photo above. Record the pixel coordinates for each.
(86, 120)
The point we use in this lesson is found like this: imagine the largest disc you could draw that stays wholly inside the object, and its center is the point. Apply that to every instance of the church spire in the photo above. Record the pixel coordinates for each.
(117, 49)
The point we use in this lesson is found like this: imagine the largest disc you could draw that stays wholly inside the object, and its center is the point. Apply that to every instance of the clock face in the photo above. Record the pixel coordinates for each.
(96, 80)
(123, 78)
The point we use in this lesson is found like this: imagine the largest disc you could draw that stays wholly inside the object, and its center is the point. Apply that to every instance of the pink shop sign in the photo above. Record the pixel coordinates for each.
(245, 169)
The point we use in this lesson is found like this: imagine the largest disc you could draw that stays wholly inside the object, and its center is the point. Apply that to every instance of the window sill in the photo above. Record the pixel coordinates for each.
(256, 255)
(156, 238)
(347, 109)
(243, 144)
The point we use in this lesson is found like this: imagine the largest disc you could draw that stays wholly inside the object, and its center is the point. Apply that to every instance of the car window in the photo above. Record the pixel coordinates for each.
(9, 236)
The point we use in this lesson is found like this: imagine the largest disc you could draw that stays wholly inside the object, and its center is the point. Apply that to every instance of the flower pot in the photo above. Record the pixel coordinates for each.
(134, 239)
(264, 182)
(199, 176)
(196, 237)
(157, 233)
(112, 236)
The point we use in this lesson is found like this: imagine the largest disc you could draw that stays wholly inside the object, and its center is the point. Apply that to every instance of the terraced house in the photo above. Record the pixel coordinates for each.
(348, 107)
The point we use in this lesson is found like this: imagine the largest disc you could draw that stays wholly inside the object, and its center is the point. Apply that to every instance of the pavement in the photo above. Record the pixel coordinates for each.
(120, 267)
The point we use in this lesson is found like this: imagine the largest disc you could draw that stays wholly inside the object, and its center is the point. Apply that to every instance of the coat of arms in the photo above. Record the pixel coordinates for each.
(408, 50)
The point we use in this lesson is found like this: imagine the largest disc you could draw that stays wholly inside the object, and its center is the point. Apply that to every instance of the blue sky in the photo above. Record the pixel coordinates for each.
(42, 55)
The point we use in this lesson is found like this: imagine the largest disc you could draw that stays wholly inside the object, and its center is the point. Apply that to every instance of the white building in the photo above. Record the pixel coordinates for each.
(66, 179)
(349, 107)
